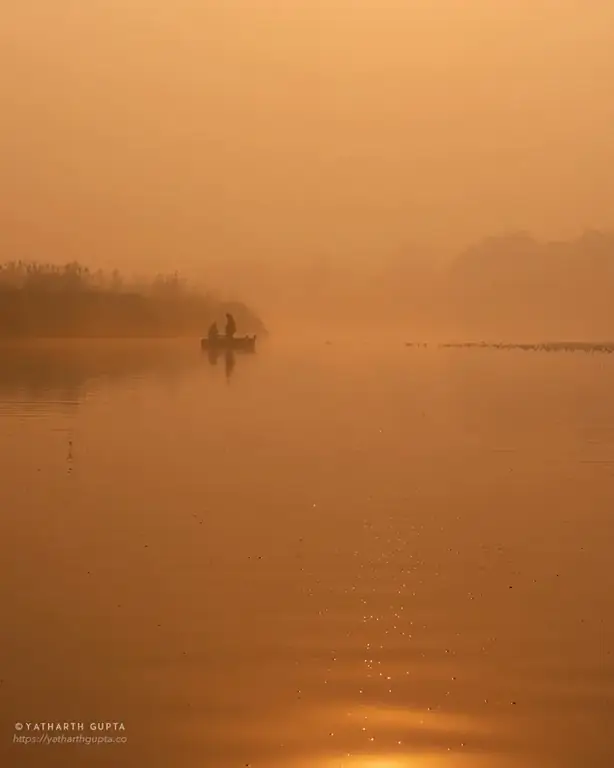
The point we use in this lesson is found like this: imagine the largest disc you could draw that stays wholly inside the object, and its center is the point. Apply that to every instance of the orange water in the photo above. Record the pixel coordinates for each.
(342, 556)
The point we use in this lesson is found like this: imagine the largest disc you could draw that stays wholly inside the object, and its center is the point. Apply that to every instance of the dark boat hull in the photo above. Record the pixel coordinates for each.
(235, 344)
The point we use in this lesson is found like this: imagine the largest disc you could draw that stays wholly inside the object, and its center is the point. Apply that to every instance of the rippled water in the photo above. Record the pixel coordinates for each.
(324, 556)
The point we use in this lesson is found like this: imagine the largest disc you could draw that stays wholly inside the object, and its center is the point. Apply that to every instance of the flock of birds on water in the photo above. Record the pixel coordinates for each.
(552, 346)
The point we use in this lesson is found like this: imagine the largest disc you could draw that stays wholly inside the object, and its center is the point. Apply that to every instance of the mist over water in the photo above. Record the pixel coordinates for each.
(321, 557)
(150, 136)
(354, 547)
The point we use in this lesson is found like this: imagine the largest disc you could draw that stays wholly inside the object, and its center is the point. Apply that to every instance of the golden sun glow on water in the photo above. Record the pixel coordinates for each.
(401, 761)
(371, 724)
(374, 761)
(334, 737)
(377, 761)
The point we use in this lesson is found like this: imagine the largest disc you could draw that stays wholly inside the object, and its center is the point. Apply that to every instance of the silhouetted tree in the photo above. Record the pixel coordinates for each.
(47, 300)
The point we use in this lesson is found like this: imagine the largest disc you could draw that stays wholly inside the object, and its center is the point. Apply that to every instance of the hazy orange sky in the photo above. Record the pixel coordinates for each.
(160, 133)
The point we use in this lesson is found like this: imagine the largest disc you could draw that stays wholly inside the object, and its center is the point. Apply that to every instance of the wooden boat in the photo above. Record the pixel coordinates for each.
(234, 343)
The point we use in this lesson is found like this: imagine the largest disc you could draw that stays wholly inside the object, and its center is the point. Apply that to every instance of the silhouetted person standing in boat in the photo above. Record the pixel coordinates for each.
(231, 326)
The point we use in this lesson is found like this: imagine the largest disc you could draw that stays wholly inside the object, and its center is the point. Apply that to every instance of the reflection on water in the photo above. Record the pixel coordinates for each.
(66, 372)
(213, 355)
(399, 562)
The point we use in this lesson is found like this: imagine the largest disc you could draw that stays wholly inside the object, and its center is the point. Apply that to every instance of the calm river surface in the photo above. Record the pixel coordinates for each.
(326, 556)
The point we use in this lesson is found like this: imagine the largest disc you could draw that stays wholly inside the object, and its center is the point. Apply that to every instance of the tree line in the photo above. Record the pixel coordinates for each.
(70, 300)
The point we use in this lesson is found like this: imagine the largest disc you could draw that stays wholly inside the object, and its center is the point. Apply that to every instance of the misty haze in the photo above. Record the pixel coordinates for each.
(306, 374)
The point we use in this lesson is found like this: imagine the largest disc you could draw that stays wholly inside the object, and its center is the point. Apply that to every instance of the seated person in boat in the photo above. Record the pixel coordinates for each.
(231, 326)
(213, 334)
